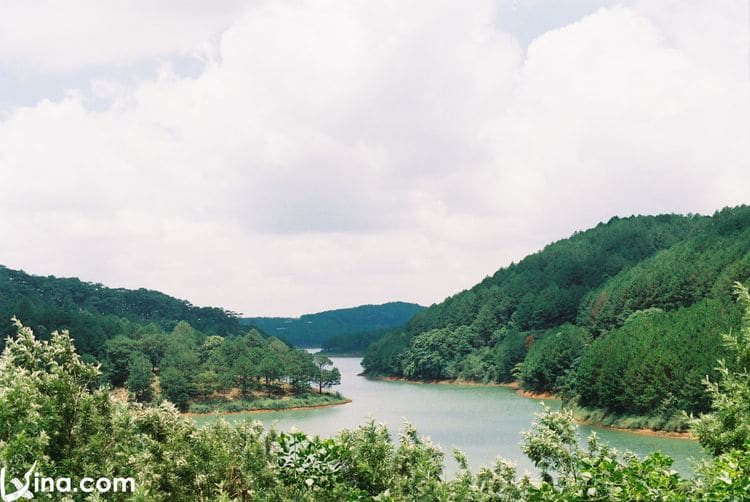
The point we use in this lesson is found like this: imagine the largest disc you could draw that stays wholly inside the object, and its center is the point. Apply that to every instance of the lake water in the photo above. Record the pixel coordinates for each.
(483, 422)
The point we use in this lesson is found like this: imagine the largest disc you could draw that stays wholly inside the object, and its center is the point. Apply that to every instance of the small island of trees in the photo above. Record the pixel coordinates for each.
(212, 373)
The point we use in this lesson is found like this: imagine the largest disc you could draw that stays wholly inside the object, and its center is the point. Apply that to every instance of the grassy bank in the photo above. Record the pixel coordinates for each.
(674, 425)
(308, 400)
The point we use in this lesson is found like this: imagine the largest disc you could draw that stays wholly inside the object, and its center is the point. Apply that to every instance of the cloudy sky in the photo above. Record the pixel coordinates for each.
(283, 157)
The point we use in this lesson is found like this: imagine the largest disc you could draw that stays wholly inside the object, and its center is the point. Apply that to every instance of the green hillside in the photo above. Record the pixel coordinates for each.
(313, 330)
(624, 317)
(95, 312)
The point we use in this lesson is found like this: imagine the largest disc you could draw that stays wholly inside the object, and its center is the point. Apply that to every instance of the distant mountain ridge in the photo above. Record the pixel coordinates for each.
(312, 330)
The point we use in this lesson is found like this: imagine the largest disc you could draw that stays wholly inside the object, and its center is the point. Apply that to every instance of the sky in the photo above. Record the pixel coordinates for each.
(285, 157)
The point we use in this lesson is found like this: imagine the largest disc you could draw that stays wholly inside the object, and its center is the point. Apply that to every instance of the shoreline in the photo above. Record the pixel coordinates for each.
(266, 410)
(542, 396)
(580, 418)
(688, 436)
(470, 383)
(461, 383)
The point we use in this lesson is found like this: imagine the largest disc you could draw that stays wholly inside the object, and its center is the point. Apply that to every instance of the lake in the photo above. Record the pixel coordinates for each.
(483, 422)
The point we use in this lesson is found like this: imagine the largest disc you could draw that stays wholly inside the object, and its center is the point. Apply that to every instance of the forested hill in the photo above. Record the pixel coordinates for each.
(96, 313)
(312, 330)
(624, 317)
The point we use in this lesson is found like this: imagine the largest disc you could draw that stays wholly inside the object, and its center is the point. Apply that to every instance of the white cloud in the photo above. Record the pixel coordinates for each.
(334, 154)
(47, 36)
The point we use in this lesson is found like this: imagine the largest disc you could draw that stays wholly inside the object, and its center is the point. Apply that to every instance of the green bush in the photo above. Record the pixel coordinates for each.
(551, 357)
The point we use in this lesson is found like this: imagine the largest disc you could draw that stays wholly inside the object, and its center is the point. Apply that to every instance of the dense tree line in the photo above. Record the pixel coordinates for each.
(192, 367)
(549, 361)
(97, 313)
(54, 416)
(314, 330)
(697, 268)
(624, 317)
(656, 361)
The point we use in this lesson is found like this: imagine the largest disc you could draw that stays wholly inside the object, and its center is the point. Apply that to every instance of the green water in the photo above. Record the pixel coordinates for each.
(484, 422)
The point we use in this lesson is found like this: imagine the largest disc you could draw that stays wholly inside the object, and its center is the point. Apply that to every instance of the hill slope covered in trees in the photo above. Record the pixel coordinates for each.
(624, 317)
(97, 313)
(198, 355)
(312, 330)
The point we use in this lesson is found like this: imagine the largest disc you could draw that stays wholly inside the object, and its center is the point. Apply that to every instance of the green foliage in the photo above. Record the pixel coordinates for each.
(243, 370)
(433, 355)
(139, 380)
(309, 461)
(206, 383)
(552, 358)
(553, 444)
(383, 357)
(598, 472)
(270, 368)
(97, 313)
(702, 266)
(325, 374)
(120, 351)
(210, 348)
(727, 477)
(661, 421)
(154, 346)
(727, 427)
(182, 350)
(656, 363)
(48, 404)
(176, 387)
(299, 368)
(201, 373)
(509, 350)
